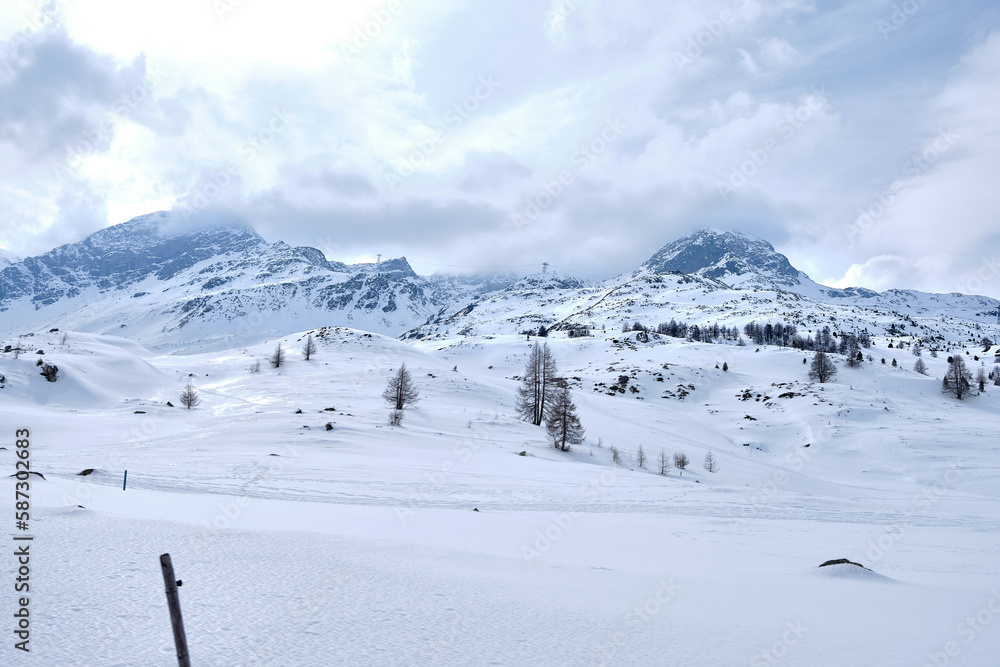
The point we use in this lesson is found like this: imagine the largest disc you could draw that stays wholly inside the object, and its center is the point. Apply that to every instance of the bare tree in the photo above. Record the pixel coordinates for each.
(561, 421)
(309, 349)
(616, 456)
(400, 392)
(277, 357)
(535, 392)
(710, 464)
(920, 366)
(190, 397)
(664, 462)
(852, 351)
(822, 368)
(255, 366)
(640, 457)
(681, 461)
(957, 379)
(981, 378)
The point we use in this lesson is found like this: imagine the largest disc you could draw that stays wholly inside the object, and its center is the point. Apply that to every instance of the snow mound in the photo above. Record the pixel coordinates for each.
(94, 370)
(851, 571)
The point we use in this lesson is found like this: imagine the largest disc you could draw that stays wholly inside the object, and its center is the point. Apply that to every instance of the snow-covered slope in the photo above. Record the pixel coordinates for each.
(308, 531)
(202, 289)
(360, 544)
(748, 263)
(212, 287)
(721, 278)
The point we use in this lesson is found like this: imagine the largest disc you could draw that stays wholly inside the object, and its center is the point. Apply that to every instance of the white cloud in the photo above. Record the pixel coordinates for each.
(365, 102)
(776, 52)
(890, 272)
(948, 199)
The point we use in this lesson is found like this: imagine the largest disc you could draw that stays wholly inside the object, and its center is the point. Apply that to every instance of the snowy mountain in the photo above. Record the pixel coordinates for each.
(748, 263)
(146, 280)
(732, 258)
(408, 538)
(169, 287)
(718, 277)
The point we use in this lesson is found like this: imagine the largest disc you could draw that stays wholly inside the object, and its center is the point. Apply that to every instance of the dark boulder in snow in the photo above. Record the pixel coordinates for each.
(843, 561)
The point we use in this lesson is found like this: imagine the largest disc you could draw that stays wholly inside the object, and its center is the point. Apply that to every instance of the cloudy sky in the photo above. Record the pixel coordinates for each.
(862, 138)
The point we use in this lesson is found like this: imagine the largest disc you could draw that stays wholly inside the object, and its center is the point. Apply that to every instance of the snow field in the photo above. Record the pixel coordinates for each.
(359, 545)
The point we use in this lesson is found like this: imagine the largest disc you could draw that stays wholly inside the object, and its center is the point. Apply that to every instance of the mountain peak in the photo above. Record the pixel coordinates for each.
(154, 228)
(7, 258)
(114, 257)
(731, 257)
(397, 266)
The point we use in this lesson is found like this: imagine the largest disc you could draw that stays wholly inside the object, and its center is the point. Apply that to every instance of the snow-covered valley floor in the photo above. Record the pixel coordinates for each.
(359, 545)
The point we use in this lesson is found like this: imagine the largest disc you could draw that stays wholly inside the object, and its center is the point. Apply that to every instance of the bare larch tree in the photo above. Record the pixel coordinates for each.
(400, 392)
(822, 368)
(190, 397)
(957, 379)
(277, 357)
(309, 349)
(536, 390)
(664, 461)
(561, 422)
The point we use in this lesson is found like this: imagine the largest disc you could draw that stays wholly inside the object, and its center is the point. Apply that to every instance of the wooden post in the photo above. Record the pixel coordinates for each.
(174, 603)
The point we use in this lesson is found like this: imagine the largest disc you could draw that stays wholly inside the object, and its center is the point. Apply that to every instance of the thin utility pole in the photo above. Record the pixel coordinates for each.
(174, 603)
